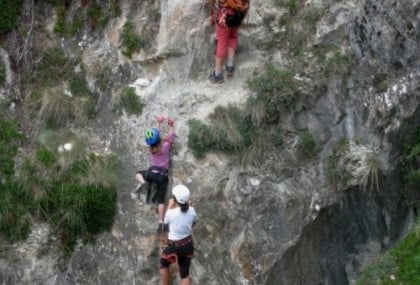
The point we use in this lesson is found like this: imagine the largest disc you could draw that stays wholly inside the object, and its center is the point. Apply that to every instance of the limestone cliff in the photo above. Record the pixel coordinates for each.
(283, 220)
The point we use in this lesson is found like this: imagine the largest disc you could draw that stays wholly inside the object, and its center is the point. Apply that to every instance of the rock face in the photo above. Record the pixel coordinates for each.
(282, 223)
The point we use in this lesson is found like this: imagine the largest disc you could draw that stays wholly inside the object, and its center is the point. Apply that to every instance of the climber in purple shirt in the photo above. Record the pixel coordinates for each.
(159, 165)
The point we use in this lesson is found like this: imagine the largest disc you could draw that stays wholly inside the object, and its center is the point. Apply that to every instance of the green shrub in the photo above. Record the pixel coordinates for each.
(200, 138)
(56, 109)
(379, 271)
(15, 203)
(338, 63)
(415, 150)
(251, 132)
(306, 146)
(53, 68)
(131, 42)
(400, 265)
(9, 140)
(9, 12)
(46, 157)
(129, 101)
(48, 101)
(75, 188)
(413, 179)
(230, 128)
(96, 16)
(54, 2)
(79, 210)
(233, 131)
(292, 6)
(78, 86)
(60, 26)
(2, 73)
(297, 25)
(337, 176)
(115, 9)
(14, 200)
(76, 24)
(276, 91)
(71, 187)
(412, 165)
(380, 82)
(276, 137)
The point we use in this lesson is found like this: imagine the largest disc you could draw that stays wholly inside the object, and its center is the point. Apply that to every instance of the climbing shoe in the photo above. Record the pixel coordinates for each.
(216, 79)
(230, 70)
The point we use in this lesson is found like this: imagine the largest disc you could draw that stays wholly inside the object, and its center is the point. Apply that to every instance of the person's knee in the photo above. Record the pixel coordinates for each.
(139, 177)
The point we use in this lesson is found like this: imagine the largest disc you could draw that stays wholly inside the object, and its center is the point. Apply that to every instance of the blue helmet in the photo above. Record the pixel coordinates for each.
(152, 136)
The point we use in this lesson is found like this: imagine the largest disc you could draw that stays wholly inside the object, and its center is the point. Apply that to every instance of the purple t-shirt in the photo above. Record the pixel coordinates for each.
(161, 158)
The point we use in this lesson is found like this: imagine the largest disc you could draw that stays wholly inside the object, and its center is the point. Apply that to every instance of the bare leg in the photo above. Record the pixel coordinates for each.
(219, 65)
(186, 281)
(164, 276)
(139, 178)
(161, 212)
(230, 56)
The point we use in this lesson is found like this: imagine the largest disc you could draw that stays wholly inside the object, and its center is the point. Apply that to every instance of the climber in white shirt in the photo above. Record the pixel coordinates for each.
(180, 218)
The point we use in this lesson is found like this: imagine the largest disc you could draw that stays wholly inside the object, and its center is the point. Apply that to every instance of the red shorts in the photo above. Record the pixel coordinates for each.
(226, 38)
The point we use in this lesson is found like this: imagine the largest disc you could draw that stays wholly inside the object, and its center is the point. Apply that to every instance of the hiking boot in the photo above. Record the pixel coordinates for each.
(230, 71)
(216, 79)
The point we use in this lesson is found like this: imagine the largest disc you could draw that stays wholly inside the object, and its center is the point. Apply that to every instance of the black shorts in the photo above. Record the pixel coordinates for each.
(184, 255)
(153, 175)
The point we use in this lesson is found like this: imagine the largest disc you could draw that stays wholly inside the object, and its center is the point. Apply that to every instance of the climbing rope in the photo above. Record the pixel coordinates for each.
(201, 28)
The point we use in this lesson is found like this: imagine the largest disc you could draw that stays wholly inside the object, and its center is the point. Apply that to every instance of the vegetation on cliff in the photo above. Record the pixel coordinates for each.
(62, 181)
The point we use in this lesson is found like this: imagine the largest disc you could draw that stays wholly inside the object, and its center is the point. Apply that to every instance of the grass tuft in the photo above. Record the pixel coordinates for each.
(131, 42)
(96, 16)
(336, 174)
(14, 200)
(73, 188)
(54, 68)
(306, 147)
(49, 102)
(338, 63)
(2, 73)
(400, 265)
(56, 109)
(232, 130)
(374, 164)
(127, 100)
(276, 91)
(9, 13)
(200, 138)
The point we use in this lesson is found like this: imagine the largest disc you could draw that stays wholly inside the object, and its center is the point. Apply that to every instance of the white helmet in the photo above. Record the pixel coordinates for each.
(181, 193)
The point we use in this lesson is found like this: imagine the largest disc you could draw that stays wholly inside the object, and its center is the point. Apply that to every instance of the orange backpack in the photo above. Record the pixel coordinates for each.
(235, 12)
